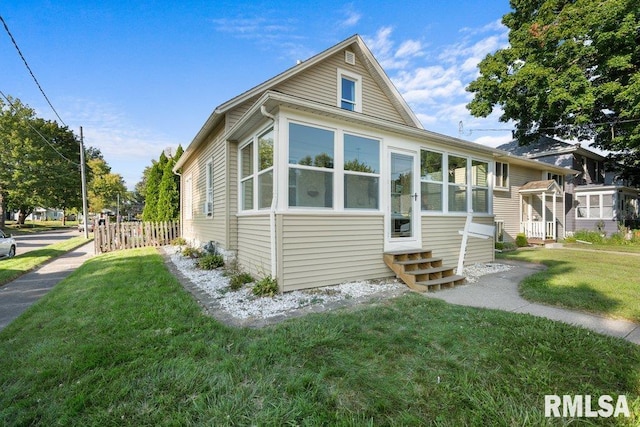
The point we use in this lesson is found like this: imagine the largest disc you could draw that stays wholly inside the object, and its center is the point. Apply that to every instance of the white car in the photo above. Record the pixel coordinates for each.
(7, 246)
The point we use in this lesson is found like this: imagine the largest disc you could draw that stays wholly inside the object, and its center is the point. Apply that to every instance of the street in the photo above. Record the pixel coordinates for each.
(33, 241)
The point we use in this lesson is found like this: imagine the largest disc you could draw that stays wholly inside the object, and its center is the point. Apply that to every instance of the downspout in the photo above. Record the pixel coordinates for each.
(274, 199)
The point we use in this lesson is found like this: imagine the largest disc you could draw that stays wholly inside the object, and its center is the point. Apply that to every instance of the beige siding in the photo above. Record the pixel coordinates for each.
(320, 84)
(201, 228)
(254, 245)
(440, 234)
(319, 250)
(506, 204)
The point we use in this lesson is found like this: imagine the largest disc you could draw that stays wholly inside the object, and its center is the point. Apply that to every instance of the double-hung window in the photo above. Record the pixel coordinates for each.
(349, 91)
(256, 172)
(431, 173)
(311, 156)
(361, 172)
(457, 170)
(479, 186)
(208, 204)
(502, 175)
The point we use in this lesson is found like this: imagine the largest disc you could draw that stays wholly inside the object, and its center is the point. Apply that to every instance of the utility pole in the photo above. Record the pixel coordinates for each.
(84, 187)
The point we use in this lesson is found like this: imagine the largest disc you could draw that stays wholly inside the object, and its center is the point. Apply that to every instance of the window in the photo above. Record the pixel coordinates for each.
(361, 172)
(479, 186)
(349, 91)
(559, 179)
(256, 172)
(208, 204)
(457, 170)
(310, 166)
(431, 173)
(188, 197)
(502, 175)
(499, 236)
(594, 206)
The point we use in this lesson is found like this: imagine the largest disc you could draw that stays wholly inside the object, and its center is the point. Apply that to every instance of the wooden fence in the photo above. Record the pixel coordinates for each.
(128, 235)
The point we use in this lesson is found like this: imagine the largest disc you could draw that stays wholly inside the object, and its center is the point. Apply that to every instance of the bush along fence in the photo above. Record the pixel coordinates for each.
(128, 235)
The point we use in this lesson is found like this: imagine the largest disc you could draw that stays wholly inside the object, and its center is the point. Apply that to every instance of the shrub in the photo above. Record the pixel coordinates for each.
(191, 252)
(589, 236)
(179, 241)
(521, 240)
(210, 261)
(267, 286)
(499, 246)
(239, 279)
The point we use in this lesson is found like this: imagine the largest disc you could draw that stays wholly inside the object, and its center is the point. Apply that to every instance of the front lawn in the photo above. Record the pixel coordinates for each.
(596, 281)
(120, 342)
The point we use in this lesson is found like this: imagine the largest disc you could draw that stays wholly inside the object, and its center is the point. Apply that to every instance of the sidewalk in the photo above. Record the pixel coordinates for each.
(18, 295)
(500, 291)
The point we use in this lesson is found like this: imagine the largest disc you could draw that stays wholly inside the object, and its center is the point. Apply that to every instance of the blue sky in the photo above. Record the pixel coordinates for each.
(141, 76)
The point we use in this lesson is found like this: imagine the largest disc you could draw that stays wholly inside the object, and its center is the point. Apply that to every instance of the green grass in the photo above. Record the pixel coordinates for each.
(23, 263)
(12, 227)
(594, 281)
(120, 342)
(631, 248)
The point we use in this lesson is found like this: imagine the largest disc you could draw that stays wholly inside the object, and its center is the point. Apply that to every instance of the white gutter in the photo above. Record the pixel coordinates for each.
(274, 199)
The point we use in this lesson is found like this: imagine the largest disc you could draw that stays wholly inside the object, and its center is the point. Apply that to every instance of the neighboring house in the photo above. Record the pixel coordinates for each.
(313, 175)
(528, 199)
(595, 199)
(43, 214)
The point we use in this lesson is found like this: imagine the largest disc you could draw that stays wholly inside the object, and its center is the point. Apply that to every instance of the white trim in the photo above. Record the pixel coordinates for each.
(415, 240)
(357, 79)
(188, 197)
(208, 195)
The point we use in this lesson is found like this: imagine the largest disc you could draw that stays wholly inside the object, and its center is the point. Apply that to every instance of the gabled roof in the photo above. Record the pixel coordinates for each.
(546, 146)
(370, 63)
(546, 186)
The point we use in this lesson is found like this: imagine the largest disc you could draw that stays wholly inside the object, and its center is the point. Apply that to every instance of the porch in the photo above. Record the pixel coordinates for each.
(539, 210)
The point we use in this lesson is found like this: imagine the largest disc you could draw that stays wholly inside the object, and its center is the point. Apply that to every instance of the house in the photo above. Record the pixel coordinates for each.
(528, 197)
(312, 176)
(595, 198)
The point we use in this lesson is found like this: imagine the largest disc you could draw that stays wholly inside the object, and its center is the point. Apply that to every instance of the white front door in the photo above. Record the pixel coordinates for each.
(402, 219)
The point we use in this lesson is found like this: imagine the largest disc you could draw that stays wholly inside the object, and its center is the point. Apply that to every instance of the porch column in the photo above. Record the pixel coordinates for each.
(520, 209)
(555, 231)
(544, 216)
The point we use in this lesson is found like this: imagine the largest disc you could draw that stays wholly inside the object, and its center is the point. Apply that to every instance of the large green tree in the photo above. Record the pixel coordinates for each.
(168, 207)
(39, 162)
(105, 187)
(572, 69)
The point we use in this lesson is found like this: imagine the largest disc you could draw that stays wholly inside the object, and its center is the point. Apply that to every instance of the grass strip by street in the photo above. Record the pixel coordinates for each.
(120, 342)
(23, 263)
(595, 281)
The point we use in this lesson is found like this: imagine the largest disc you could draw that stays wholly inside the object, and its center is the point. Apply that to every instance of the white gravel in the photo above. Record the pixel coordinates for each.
(242, 304)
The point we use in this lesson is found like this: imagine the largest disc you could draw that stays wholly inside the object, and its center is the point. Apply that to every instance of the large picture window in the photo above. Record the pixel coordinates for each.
(361, 172)
(431, 174)
(256, 172)
(311, 156)
(594, 206)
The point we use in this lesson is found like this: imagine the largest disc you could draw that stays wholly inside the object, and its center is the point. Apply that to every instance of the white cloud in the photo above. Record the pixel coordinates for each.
(352, 17)
(383, 49)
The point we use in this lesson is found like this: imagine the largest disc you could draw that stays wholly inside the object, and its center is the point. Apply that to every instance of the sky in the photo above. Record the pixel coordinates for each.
(143, 76)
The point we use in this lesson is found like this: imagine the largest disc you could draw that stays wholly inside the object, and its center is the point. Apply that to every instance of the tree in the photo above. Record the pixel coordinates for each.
(105, 187)
(168, 207)
(152, 192)
(572, 70)
(39, 162)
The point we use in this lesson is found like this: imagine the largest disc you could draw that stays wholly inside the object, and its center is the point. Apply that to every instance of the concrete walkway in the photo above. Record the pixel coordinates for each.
(500, 291)
(18, 295)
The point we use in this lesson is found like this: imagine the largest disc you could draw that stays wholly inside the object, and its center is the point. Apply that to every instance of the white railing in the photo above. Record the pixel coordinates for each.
(538, 229)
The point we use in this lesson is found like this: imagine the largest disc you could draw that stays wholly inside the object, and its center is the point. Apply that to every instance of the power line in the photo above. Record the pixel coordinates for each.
(38, 132)
(30, 71)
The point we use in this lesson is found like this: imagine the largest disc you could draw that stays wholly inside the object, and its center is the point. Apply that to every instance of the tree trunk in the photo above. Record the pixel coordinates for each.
(3, 214)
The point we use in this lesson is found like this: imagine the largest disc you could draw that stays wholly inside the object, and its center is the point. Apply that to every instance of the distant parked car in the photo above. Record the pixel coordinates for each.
(7, 246)
(81, 226)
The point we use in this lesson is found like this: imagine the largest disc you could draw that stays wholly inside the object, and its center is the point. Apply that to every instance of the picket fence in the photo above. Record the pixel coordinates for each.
(128, 235)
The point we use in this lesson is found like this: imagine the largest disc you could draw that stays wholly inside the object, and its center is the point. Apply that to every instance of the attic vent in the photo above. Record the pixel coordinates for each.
(349, 57)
